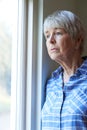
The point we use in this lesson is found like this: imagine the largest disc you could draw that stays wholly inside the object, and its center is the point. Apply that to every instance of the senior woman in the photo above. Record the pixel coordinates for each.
(65, 107)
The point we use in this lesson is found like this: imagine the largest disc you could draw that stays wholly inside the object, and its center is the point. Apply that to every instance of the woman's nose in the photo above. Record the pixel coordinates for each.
(52, 40)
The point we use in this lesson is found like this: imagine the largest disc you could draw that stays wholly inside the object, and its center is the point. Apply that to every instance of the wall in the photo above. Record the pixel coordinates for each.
(81, 9)
(52, 5)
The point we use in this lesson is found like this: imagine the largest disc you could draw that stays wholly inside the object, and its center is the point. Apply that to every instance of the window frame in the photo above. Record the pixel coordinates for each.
(27, 67)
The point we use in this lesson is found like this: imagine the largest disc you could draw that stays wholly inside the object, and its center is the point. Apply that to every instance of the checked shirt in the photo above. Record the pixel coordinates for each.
(65, 107)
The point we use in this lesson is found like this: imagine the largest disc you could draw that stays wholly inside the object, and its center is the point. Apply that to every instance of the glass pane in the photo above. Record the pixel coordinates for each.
(7, 16)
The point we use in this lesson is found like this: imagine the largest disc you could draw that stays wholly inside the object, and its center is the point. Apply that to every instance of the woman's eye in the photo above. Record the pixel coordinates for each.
(58, 33)
(47, 36)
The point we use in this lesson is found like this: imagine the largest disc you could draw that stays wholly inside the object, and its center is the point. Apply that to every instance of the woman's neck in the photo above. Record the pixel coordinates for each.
(70, 68)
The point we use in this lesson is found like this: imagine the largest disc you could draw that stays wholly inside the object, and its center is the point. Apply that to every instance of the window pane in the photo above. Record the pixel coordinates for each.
(7, 9)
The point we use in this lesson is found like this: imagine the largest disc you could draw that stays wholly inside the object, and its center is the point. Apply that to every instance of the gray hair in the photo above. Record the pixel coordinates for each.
(68, 21)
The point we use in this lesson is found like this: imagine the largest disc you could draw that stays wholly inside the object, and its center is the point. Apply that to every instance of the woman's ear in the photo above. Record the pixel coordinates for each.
(79, 39)
(78, 42)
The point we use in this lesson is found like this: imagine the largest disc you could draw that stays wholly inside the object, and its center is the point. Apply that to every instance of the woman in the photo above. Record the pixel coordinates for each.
(65, 107)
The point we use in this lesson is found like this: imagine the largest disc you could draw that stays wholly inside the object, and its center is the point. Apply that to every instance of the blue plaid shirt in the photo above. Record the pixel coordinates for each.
(65, 107)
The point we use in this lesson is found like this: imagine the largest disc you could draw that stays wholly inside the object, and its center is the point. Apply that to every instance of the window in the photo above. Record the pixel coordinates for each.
(27, 66)
(8, 18)
(21, 63)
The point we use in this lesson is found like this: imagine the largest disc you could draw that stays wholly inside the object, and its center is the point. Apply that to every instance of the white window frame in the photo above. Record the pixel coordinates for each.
(27, 67)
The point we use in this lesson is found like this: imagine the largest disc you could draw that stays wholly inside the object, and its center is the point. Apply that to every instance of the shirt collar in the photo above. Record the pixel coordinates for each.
(57, 72)
(81, 70)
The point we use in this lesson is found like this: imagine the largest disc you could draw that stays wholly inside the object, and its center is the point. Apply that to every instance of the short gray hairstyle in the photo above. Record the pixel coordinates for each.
(68, 21)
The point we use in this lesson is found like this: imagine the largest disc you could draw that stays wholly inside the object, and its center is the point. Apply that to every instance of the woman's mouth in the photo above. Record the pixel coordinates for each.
(54, 50)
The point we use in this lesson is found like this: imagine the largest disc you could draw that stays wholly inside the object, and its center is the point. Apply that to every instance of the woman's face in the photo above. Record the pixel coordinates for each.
(59, 44)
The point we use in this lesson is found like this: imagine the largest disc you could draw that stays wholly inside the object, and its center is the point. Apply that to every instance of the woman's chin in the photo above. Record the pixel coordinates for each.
(57, 58)
(53, 57)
